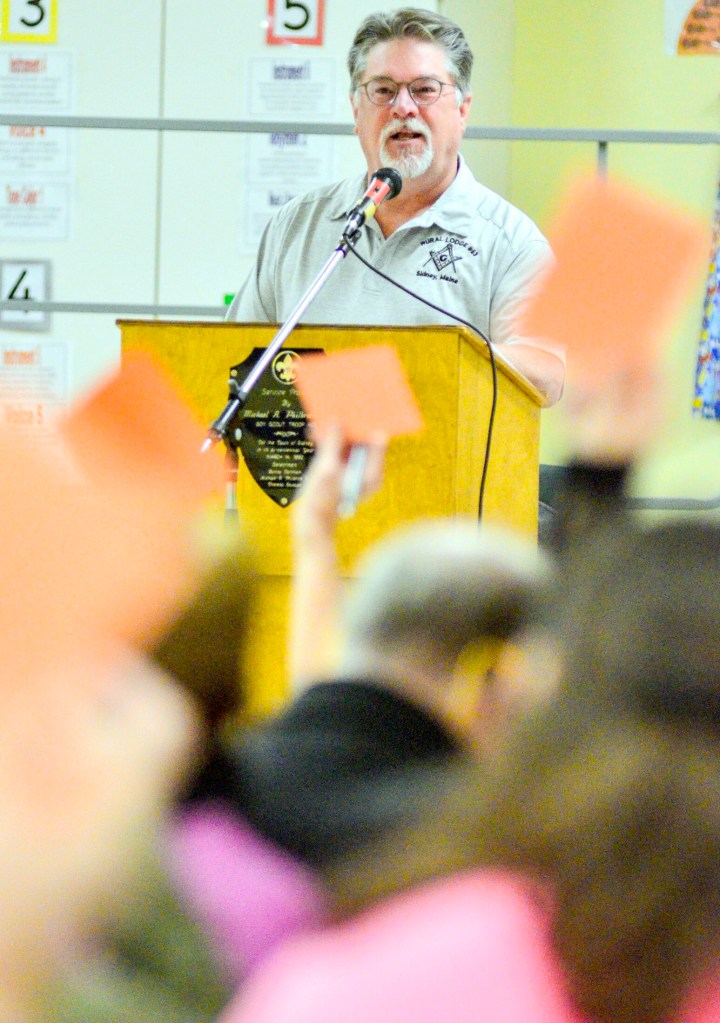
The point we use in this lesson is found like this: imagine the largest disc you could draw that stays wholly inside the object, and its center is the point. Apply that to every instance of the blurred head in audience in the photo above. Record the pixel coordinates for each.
(608, 793)
(448, 613)
(202, 645)
(96, 740)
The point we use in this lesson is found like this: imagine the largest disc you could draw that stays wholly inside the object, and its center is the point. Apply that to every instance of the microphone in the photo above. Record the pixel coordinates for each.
(385, 184)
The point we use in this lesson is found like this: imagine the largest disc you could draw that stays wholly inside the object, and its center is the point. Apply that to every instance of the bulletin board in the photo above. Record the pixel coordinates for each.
(158, 218)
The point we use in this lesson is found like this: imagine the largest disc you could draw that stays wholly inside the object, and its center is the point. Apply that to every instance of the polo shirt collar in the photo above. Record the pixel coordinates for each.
(451, 212)
(347, 196)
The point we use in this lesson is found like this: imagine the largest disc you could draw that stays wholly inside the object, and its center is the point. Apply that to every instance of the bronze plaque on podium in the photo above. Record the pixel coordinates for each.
(273, 425)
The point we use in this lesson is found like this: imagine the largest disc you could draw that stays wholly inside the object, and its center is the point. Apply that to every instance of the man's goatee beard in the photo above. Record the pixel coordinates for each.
(408, 165)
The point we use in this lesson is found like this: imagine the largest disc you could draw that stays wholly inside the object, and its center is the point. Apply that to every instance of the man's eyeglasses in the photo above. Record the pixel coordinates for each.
(424, 91)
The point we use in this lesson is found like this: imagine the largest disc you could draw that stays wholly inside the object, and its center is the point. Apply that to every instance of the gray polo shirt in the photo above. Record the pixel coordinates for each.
(471, 252)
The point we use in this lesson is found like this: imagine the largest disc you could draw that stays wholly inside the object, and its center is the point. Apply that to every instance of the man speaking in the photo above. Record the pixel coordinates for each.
(445, 236)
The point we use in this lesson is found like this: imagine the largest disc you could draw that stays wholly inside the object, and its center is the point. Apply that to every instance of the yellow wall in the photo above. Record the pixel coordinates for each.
(490, 29)
(585, 65)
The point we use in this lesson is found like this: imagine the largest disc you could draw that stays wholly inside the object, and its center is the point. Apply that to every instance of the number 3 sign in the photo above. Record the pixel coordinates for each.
(29, 21)
(295, 21)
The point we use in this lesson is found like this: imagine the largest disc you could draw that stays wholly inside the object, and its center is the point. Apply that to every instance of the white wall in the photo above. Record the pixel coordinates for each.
(155, 216)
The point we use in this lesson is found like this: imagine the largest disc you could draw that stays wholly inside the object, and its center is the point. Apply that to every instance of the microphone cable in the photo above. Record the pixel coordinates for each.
(465, 323)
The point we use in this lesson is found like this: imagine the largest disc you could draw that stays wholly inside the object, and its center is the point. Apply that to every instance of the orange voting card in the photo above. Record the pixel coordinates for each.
(625, 263)
(93, 561)
(138, 447)
(137, 429)
(364, 391)
(109, 551)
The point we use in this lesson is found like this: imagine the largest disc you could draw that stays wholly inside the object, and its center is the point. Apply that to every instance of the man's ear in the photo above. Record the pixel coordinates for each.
(465, 111)
(355, 110)
(527, 673)
(470, 696)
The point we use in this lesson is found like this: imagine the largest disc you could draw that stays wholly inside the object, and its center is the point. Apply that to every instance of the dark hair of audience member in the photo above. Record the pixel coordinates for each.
(203, 647)
(608, 794)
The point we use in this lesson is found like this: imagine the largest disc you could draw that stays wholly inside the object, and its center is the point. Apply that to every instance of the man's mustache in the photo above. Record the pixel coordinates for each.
(411, 124)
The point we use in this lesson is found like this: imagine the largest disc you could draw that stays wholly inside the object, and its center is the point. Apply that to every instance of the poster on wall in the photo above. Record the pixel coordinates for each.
(36, 163)
(692, 29)
(291, 87)
(281, 164)
(36, 81)
(34, 388)
(34, 211)
(30, 150)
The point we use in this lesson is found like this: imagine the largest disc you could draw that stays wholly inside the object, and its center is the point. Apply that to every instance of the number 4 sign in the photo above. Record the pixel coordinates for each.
(29, 21)
(295, 21)
(27, 279)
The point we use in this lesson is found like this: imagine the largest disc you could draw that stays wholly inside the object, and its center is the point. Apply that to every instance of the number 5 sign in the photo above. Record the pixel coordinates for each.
(295, 21)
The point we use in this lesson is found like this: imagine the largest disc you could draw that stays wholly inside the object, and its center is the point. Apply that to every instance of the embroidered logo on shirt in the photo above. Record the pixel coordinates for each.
(444, 257)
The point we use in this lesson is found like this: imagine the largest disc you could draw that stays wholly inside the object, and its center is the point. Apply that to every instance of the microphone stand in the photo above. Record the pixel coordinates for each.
(239, 393)
(386, 183)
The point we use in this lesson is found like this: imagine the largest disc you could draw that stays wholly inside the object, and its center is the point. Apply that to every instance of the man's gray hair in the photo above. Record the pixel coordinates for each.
(412, 23)
(440, 584)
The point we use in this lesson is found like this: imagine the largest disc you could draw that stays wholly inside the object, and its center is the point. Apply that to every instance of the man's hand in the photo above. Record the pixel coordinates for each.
(317, 585)
(544, 369)
(614, 421)
(317, 509)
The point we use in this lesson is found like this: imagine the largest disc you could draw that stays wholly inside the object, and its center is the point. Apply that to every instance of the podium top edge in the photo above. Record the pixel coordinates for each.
(503, 364)
(394, 328)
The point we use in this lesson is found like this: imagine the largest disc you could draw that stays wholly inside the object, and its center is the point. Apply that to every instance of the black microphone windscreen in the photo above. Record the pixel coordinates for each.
(392, 178)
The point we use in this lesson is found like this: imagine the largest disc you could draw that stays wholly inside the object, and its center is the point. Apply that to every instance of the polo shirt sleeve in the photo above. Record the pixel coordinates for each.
(512, 290)
(256, 300)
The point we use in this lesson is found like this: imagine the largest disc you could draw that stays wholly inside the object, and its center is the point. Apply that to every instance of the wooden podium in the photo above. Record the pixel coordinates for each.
(436, 473)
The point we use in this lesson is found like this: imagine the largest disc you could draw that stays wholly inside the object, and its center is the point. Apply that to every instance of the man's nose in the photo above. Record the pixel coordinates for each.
(404, 103)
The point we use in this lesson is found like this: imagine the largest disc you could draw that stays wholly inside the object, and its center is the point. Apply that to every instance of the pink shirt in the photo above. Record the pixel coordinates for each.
(468, 948)
(248, 895)
(465, 949)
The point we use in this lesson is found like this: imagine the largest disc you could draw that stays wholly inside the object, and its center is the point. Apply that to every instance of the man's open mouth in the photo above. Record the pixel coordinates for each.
(404, 135)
